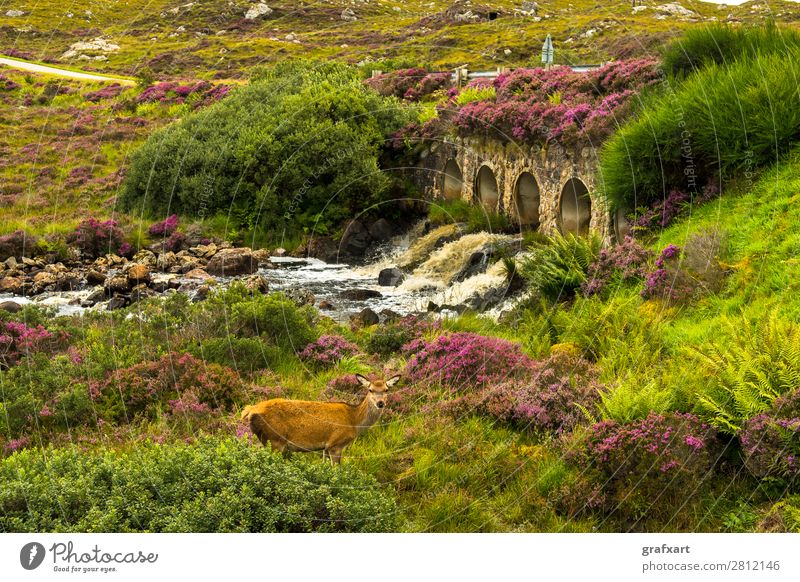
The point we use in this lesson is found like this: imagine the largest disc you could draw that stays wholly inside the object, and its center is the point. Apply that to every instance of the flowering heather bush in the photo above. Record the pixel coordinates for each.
(18, 340)
(327, 351)
(552, 399)
(180, 382)
(667, 281)
(7, 84)
(648, 463)
(107, 92)
(175, 242)
(164, 228)
(535, 105)
(95, 238)
(622, 263)
(198, 94)
(17, 244)
(410, 84)
(462, 360)
(771, 440)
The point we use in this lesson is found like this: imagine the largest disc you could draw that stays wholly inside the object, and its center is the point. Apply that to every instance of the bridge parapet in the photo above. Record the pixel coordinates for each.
(551, 189)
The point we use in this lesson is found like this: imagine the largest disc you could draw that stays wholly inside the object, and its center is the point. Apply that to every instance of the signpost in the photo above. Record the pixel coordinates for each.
(547, 52)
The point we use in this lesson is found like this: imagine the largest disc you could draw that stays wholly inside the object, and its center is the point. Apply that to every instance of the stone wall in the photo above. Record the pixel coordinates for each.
(566, 183)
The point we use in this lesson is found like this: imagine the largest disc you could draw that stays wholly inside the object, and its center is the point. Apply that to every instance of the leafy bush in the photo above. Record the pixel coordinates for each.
(771, 440)
(313, 130)
(18, 340)
(412, 84)
(721, 121)
(461, 360)
(17, 244)
(719, 44)
(327, 351)
(243, 354)
(389, 338)
(277, 318)
(647, 465)
(747, 370)
(556, 269)
(473, 94)
(213, 485)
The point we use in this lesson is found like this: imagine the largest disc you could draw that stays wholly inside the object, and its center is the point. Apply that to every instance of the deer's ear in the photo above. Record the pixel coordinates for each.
(393, 380)
(363, 381)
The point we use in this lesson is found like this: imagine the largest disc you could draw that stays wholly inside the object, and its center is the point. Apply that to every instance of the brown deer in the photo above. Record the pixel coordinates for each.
(302, 425)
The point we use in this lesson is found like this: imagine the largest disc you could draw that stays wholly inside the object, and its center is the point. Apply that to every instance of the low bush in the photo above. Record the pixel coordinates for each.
(96, 238)
(647, 467)
(621, 264)
(389, 338)
(771, 440)
(212, 485)
(276, 318)
(327, 351)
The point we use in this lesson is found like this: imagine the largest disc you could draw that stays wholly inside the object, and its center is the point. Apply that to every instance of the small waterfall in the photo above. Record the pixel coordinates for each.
(422, 247)
(474, 288)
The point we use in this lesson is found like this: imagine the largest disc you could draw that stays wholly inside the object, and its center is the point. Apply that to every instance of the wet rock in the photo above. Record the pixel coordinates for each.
(325, 305)
(232, 262)
(95, 277)
(186, 264)
(197, 274)
(261, 257)
(279, 252)
(11, 285)
(202, 293)
(390, 316)
(94, 297)
(204, 251)
(390, 277)
(117, 302)
(356, 239)
(117, 284)
(11, 263)
(318, 247)
(365, 318)
(477, 264)
(166, 261)
(139, 273)
(11, 306)
(381, 230)
(146, 257)
(256, 284)
(359, 294)
(140, 292)
(300, 297)
(432, 307)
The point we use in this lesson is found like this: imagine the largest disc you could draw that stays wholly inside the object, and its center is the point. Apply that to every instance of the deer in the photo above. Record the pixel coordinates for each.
(303, 426)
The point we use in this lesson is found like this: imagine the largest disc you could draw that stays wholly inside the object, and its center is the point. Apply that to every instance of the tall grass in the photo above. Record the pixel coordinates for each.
(720, 44)
(723, 121)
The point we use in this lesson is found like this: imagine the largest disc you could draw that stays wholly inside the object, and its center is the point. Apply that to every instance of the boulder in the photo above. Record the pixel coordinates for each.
(390, 277)
(300, 297)
(117, 302)
(262, 257)
(166, 261)
(256, 284)
(11, 285)
(381, 230)
(11, 306)
(348, 15)
(117, 284)
(257, 11)
(140, 292)
(390, 316)
(365, 318)
(356, 239)
(359, 294)
(232, 262)
(325, 305)
(201, 294)
(95, 277)
(94, 297)
(197, 274)
(139, 273)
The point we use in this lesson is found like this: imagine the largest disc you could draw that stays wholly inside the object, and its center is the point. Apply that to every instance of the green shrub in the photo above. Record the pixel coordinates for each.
(213, 485)
(277, 318)
(720, 44)
(556, 269)
(472, 94)
(243, 354)
(297, 147)
(722, 121)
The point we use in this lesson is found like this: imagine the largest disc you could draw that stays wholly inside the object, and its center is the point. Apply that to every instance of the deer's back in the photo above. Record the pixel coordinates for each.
(309, 424)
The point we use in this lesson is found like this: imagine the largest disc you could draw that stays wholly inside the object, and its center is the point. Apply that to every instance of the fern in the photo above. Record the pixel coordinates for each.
(558, 267)
(748, 371)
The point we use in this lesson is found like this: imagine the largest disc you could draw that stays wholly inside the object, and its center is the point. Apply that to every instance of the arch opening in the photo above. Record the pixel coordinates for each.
(486, 189)
(526, 200)
(453, 181)
(576, 208)
(622, 227)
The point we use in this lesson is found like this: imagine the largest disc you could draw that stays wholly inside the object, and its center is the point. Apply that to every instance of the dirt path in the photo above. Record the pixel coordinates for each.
(48, 70)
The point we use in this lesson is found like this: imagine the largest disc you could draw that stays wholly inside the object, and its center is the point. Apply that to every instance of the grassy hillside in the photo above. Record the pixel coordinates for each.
(213, 39)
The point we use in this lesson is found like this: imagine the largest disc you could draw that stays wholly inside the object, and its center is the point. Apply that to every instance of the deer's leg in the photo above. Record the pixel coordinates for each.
(336, 455)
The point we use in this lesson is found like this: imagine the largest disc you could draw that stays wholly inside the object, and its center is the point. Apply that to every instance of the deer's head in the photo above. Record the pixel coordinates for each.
(377, 389)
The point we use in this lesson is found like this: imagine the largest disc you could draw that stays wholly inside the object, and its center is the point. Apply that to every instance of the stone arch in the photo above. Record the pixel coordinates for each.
(452, 181)
(486, 191)
(575, 208)
(526, 200)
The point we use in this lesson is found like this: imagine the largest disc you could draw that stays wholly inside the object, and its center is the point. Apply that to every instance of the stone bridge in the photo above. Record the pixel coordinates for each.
(549, 189)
